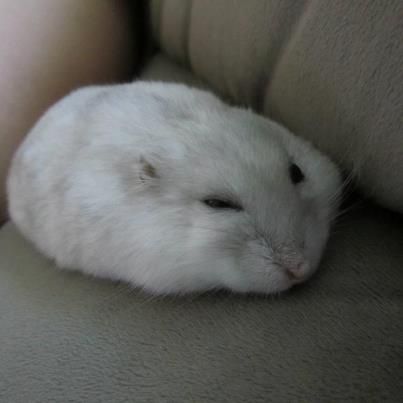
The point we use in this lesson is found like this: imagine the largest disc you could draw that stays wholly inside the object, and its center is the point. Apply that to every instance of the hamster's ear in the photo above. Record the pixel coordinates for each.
(147, 171)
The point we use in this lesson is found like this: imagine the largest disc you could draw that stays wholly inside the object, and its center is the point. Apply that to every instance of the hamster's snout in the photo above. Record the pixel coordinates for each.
(297, 272)
(294, 264)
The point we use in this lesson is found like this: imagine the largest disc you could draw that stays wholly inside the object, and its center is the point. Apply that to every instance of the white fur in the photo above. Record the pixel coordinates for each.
(82, 189)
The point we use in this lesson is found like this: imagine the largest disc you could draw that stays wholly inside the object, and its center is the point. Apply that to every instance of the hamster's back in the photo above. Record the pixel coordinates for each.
(40, 165)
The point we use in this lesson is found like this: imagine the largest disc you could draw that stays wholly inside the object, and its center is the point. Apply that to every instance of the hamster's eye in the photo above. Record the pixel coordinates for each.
(296, 175)
(220, 204)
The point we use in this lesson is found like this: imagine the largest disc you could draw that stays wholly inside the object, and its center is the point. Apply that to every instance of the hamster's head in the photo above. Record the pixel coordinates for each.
(244, 204)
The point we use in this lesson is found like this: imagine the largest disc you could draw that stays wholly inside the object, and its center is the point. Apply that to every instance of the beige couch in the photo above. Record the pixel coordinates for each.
(332, 71)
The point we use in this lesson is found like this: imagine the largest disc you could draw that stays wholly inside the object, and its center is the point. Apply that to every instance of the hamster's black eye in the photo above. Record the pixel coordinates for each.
(296, 175)
(220, 204)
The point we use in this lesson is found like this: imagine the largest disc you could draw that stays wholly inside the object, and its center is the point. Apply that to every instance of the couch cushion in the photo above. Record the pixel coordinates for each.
(65, 336)
(330, 71)
(233, 45)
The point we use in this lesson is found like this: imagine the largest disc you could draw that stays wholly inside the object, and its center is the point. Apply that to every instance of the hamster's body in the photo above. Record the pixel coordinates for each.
(171, 190)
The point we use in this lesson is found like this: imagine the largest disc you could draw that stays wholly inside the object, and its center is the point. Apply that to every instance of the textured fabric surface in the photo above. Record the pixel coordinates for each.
(67, 337)
(233, 45)
(330, 71)
(160, 68)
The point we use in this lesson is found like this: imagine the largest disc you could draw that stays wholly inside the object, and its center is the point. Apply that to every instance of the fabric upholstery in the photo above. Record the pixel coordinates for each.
(330, 71)
(160, 68)
(67, 337)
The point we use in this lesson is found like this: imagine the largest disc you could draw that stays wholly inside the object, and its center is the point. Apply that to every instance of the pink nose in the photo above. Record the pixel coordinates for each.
(298, 271)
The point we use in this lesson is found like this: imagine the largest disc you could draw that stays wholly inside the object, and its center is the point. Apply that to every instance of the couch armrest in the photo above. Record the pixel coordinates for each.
(50, 48)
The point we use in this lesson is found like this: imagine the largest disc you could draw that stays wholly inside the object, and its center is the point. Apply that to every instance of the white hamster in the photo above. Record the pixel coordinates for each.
(168, 188)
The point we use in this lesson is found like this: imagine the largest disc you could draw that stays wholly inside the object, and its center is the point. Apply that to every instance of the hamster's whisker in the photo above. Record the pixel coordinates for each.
(343, 212)
(266, 239)
(348, 184)
(343, 190)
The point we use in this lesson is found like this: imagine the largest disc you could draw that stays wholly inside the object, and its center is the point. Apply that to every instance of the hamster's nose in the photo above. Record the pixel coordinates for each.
(298, 271)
